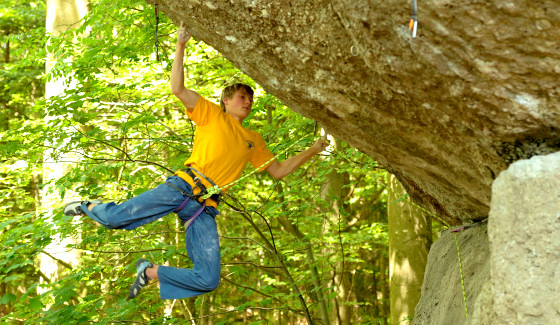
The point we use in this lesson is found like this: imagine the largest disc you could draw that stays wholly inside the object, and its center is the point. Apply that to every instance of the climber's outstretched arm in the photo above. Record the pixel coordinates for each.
(187, 96)
(283, 168)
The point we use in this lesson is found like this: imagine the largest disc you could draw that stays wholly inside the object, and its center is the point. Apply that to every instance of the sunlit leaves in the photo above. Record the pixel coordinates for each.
(118, 124)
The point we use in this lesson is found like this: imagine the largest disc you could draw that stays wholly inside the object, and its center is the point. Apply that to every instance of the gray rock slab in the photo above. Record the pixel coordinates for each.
(442, 295)
(524, 236)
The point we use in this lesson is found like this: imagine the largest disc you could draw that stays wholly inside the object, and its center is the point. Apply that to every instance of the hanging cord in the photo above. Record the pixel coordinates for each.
(413, 25)
(462, 278)
(454, 232)
(156, 31)
(216, 190)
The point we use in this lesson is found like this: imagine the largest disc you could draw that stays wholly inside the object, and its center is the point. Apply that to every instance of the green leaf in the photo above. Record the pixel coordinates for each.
(139, 191)
(35, 304)
(11, 278)
(118, 129)
(7, 298)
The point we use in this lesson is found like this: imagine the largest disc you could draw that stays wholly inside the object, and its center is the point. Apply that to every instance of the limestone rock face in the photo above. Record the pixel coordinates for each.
(445, 112)
(442, 301)
(523, 231)
(510, 267)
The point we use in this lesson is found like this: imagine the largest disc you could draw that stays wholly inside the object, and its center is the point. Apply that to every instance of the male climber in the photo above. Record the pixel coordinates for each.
(222, 147)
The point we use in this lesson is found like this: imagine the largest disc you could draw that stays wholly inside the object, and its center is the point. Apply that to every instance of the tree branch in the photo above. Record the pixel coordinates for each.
(65, 264)
(247, 217)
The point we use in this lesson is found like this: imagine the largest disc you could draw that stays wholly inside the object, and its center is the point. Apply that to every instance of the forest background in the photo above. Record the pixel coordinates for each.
(316, 240)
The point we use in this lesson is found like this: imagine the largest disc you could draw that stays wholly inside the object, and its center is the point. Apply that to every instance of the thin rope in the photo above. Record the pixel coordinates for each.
(216, 189)
(458, 255)
(462, 278)
(156, 31)
(454, 232)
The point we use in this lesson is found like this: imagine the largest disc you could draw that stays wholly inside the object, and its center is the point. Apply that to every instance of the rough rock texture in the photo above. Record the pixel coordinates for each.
(445, 112)
(523, 232)
(442, 300)
(511, 270)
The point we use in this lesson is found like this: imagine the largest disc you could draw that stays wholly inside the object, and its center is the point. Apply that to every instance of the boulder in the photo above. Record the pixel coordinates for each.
(524, 228)
(510, 267)
(442, 301)
(445, 112)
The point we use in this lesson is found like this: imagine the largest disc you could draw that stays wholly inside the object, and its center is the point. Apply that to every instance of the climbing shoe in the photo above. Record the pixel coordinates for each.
(141, 277)
(75, 208)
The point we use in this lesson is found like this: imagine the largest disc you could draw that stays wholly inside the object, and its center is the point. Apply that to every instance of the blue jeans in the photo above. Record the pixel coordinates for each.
(203, 246)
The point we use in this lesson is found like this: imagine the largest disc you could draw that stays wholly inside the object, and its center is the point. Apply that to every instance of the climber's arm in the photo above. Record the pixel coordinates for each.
(187, 96)
(283, 168)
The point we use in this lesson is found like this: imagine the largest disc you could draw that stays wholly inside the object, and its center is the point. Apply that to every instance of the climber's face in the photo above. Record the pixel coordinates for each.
(239, 105)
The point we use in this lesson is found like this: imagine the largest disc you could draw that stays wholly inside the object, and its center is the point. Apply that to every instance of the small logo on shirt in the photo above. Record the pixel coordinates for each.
(250, 144)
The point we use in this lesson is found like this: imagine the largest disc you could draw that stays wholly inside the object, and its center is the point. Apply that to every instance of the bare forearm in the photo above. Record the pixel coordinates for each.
(289, 165)
(177, 71)
(187, 96)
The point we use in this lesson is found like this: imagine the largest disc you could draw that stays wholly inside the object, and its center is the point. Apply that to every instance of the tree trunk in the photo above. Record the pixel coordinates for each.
(7, 52)
(410, 238)
(5, 123)
(385, 307)
(61, 16)
(334, 192)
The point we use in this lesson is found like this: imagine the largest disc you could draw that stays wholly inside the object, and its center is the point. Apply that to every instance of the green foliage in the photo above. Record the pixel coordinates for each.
(324, 225)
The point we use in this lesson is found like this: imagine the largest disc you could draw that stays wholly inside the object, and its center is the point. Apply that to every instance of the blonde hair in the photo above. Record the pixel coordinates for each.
(231, 89)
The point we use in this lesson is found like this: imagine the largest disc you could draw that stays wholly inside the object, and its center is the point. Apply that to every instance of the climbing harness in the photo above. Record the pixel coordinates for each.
(413, 25)
(214, 192)
(203, 194)
(190, 220)
(216, 197)
(156, 32)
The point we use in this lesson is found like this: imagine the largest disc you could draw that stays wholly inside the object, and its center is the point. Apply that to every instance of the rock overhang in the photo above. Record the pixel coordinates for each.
(445, 112)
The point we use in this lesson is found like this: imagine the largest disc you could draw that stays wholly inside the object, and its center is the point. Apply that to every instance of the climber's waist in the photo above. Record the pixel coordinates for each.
(193, 177)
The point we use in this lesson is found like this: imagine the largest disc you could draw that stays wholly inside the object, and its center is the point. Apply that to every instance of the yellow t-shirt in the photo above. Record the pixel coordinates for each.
(222, 147)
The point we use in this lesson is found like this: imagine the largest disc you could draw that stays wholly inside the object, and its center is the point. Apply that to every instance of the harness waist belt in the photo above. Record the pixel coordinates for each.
(198, 183)
(188, 222)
